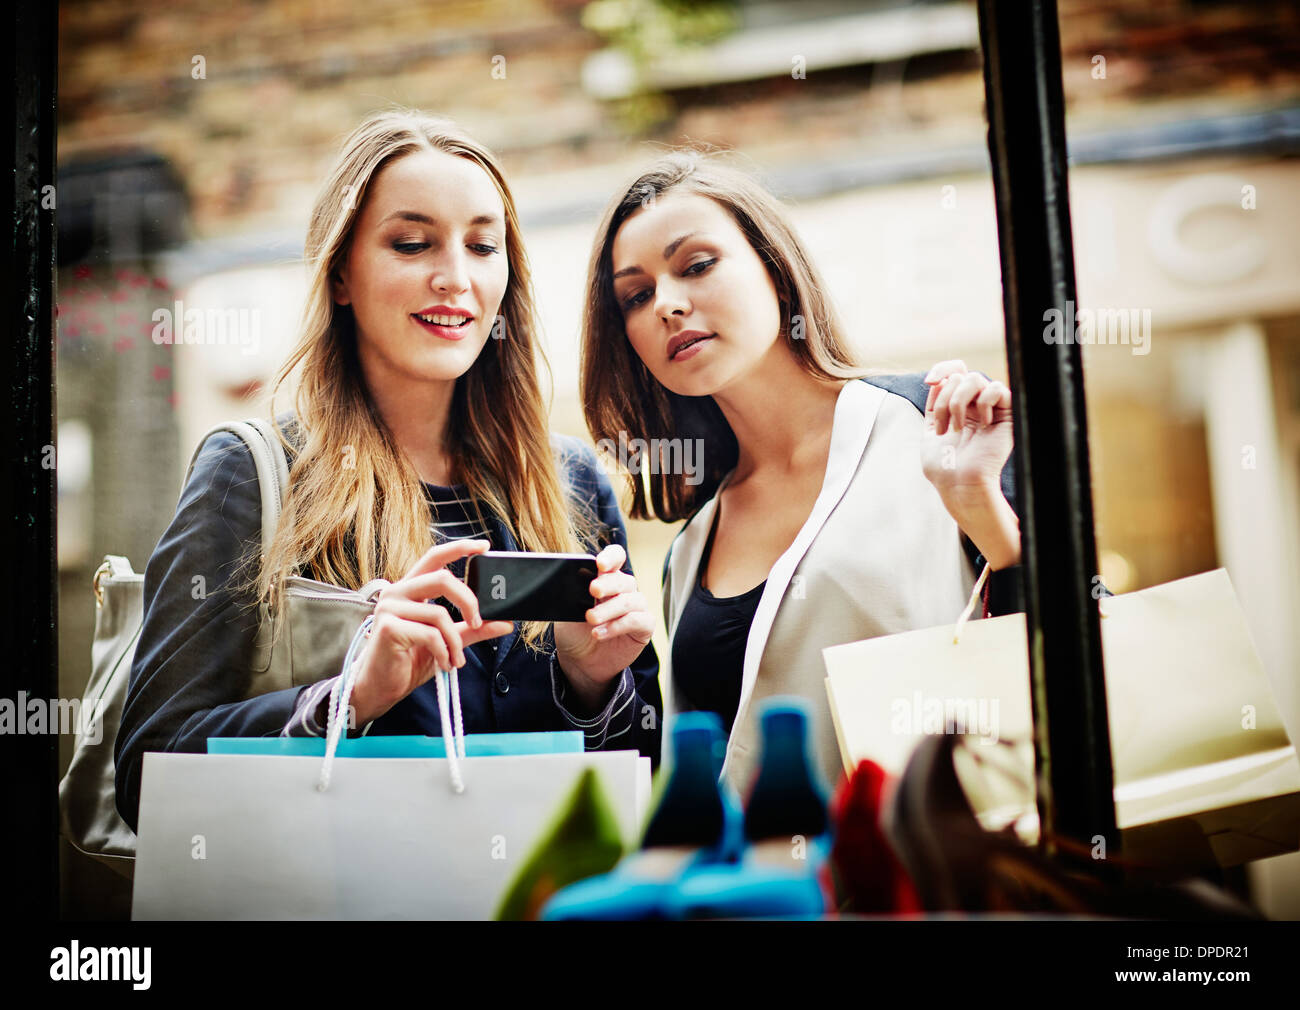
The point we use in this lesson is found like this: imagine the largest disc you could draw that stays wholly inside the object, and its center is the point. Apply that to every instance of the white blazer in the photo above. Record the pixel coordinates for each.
(878, 555)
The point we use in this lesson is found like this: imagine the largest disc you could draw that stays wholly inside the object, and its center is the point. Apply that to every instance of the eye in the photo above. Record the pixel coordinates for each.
(410, 247)
(699, 267)
(483, 249)
(635, 299)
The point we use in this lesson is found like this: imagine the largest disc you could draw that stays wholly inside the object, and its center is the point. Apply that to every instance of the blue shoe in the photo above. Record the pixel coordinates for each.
(695, 823)
(788, 830)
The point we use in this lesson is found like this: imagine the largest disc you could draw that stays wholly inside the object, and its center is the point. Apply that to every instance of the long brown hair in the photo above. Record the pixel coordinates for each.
(621, 396)
(356, 508)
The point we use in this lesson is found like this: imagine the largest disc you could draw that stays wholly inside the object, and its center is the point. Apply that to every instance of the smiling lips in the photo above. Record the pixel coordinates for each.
(679, 347)
(444, 321)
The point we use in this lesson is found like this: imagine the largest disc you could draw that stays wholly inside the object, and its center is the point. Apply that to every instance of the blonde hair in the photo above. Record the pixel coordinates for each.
(619, 394)
(356, 508)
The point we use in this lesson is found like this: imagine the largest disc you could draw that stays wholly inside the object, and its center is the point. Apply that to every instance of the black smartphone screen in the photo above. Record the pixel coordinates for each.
(522, 586)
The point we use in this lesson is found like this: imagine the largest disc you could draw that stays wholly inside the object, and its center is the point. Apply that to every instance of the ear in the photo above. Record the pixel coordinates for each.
(339, 289)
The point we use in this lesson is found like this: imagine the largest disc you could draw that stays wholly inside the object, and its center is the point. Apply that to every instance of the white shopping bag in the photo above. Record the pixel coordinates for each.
(252, 837)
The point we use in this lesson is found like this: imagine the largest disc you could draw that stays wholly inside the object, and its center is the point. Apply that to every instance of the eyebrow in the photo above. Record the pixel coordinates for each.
(669, 249)
(411, 215)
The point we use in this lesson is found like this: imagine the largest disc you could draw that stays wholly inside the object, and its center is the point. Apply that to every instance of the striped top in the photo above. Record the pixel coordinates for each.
(456, 516)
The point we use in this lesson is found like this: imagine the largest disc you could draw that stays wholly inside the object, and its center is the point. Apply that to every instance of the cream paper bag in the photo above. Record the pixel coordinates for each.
(1204, 770)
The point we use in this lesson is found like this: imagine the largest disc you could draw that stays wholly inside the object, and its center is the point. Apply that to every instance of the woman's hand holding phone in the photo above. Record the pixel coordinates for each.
(618, 627)
(411, 637)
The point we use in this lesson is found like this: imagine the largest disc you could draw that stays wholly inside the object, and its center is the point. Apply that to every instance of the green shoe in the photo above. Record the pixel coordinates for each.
(583, 841)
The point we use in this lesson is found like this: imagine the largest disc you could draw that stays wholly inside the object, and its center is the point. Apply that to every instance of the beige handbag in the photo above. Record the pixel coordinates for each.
(321, 620)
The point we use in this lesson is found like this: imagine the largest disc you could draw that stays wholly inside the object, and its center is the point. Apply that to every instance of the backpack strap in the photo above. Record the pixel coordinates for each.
(269, 459)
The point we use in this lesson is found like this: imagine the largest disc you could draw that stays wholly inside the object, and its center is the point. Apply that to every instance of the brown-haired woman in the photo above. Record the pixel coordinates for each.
(827, 503)
(419, 439)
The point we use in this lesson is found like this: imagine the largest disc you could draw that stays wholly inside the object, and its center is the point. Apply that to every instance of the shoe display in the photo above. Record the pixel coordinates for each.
(582, 841)
(695, 823)
(784, 869)
(958, 866)
(870, 878)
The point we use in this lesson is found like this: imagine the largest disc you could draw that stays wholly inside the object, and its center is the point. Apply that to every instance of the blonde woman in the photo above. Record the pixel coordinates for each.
(419, 438)
(832, 504)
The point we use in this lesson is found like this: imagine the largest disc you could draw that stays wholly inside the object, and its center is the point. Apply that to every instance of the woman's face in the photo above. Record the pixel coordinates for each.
(426, 270)
(698, 304)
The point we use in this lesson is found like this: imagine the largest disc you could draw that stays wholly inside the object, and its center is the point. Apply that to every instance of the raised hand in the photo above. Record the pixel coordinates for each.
(966, 443)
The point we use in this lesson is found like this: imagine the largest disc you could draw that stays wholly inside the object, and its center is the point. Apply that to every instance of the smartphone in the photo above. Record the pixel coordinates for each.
(527, 586)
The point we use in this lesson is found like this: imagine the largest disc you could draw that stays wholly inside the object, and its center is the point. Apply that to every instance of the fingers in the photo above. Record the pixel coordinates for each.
(450, 649)
(958, 399)
(618, 591)
(489, 629)
(941, 401)
(611, 558)
(441, 555)
(611, 584)
(408, 623)
(968, 387)
(622, 609)
(615, 587)
(390, 631)
(623, 603)
(935, 376)
(409, 640)
(439, 584)
(944, 368)
(995, 396)
(637, 625)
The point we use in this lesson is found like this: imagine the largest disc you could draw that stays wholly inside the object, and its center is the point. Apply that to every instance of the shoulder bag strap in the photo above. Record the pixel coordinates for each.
(268, 458)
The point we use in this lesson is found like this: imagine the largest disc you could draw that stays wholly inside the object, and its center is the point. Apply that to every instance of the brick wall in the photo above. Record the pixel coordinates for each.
(285, 80)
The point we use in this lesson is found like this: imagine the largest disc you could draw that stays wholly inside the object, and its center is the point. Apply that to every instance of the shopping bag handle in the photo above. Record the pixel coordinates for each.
(447, 683)
(970, 604)
(974, 595)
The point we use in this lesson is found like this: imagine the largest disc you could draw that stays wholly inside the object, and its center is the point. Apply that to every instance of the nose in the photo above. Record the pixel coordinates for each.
(670, 299)
(450, 271)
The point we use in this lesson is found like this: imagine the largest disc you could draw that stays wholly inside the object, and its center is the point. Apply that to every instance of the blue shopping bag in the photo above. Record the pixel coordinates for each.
(476, 745)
